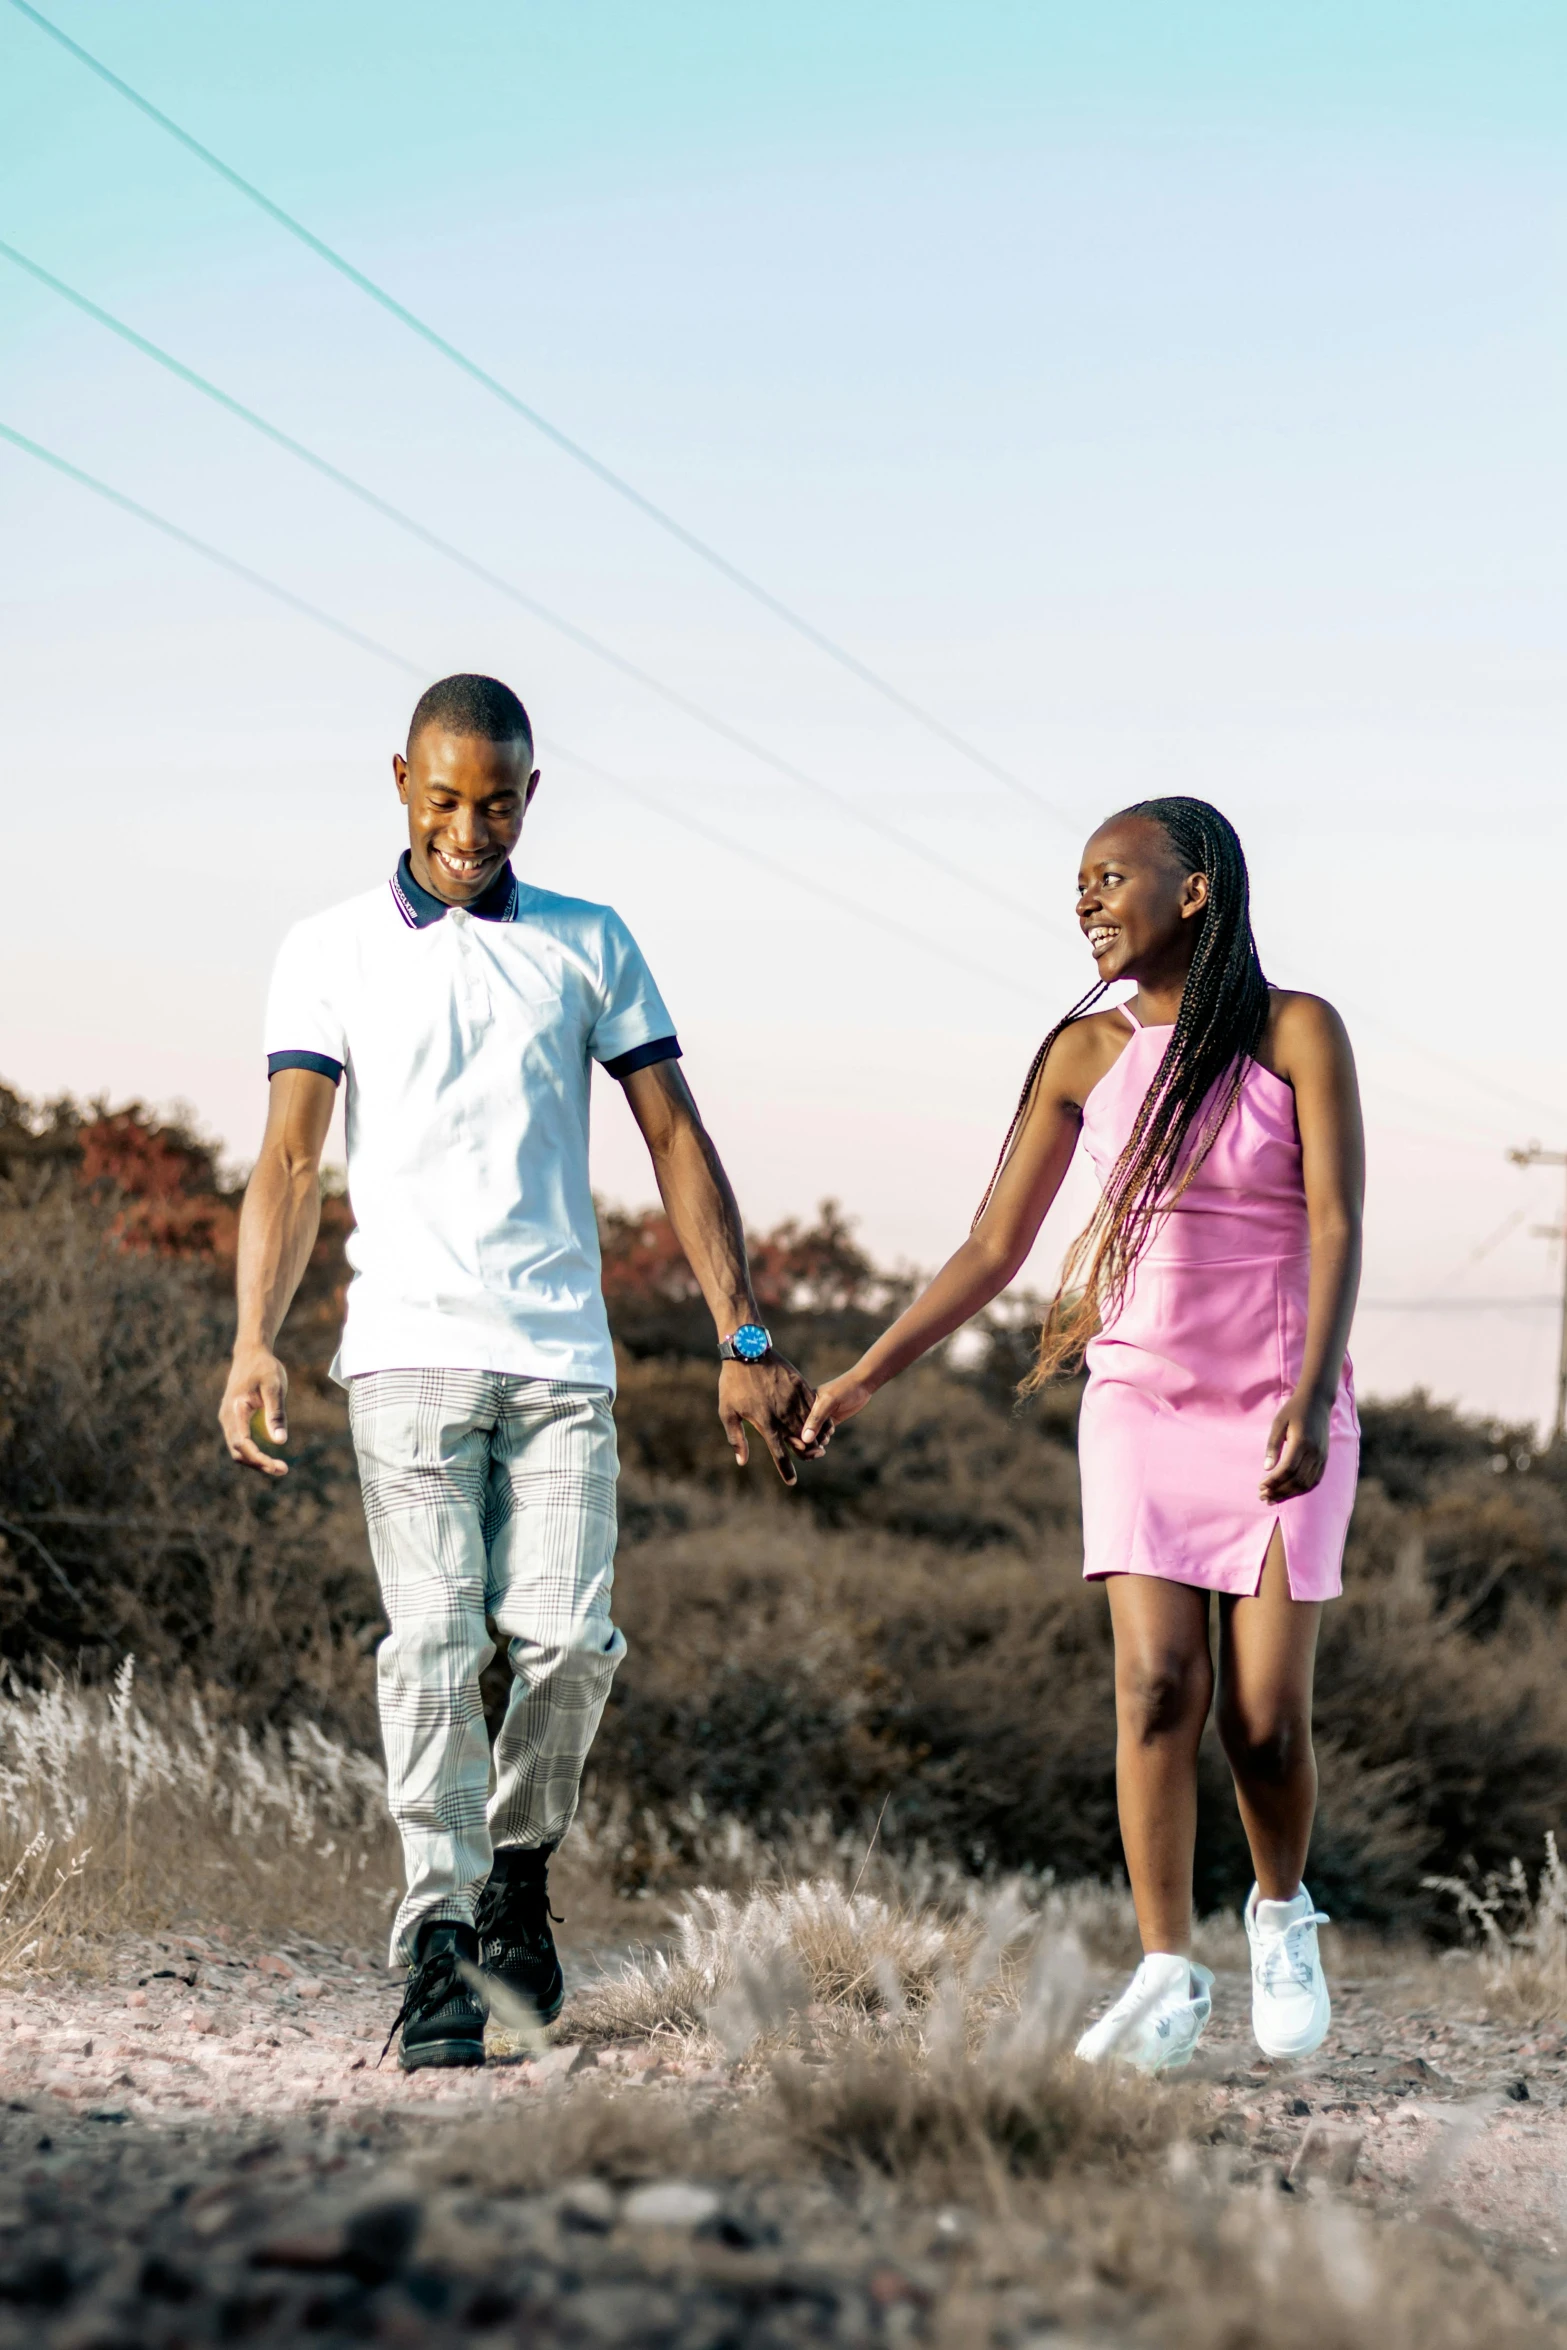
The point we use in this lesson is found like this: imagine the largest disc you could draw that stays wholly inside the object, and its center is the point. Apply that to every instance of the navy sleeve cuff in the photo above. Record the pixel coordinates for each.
(322, 1064)
(642, 1056)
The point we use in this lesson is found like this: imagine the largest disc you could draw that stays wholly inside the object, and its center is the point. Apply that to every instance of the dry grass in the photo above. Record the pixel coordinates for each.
(1520, 1934)
(926, 2102)
(1186, 2261)
(778, 1951)
(863, 2037)
(111, 1819)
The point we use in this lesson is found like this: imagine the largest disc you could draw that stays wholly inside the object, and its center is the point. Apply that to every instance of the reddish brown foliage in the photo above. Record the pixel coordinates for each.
(168, 1194)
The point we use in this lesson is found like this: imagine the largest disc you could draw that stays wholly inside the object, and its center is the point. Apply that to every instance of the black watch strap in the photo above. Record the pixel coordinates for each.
(749, 1344)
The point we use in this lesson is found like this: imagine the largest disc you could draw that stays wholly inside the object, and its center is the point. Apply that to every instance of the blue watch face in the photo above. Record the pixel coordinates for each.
(750, 1342)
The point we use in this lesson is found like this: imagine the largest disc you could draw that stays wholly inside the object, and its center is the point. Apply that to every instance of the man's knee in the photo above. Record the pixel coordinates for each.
(435, 1650)
(585, 1653)
(1162, 1694)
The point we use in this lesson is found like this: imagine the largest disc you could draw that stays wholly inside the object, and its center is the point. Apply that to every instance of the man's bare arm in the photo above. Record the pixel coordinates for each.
(277, 1231)
(701, 1207)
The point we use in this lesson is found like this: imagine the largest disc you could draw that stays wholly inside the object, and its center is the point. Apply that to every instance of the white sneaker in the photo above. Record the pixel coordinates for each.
(1290, 2007)
(1158, 2019)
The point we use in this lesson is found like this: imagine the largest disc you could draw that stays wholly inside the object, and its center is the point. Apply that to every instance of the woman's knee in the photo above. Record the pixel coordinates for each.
(1163, 1693)
(1267, 1746)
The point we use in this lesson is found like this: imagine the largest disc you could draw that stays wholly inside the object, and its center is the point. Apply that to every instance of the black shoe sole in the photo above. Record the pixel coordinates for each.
(452, 2054)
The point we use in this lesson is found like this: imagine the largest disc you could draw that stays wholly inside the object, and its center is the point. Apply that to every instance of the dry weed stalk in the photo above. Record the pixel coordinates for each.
(31, 1896)
(741, 1967)
(1521, 1932)
(112, 1818)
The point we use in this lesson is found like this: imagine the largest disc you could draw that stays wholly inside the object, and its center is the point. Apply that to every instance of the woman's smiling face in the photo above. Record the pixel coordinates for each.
(1137, 906)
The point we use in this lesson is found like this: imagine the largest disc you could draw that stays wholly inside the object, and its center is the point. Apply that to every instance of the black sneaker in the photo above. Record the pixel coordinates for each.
(513, 1921)
(441, 2019)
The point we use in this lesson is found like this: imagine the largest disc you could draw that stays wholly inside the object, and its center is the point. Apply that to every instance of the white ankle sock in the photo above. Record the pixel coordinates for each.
(1276, 1915)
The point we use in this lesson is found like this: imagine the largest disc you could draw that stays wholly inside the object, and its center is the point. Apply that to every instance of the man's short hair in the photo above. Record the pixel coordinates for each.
(472, 705)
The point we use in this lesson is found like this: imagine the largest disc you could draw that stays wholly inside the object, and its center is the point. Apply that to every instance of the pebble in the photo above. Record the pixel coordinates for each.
(310, 1987)
(589, 2204)
(670, 2203)
(272, 1962)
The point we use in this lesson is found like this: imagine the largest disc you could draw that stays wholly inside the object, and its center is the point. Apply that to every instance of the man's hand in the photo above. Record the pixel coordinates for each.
(257, 1383)
(776, 1401)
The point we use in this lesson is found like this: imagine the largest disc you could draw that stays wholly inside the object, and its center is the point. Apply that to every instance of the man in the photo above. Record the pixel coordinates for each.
(464, 1008)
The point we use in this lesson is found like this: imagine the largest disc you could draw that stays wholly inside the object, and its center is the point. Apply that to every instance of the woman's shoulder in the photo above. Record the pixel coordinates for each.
(1300, 1024)
(1086, 1050)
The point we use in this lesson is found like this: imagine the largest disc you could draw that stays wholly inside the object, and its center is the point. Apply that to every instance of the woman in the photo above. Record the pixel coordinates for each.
(1212, 1293)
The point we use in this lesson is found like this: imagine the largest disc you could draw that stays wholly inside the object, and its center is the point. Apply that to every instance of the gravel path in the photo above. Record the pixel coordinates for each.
(201, 2147)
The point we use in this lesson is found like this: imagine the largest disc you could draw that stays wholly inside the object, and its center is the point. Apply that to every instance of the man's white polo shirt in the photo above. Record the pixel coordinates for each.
(466, 1037)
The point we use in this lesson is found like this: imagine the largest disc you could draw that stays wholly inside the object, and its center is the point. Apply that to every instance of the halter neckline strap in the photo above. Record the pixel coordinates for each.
(1143, 1027)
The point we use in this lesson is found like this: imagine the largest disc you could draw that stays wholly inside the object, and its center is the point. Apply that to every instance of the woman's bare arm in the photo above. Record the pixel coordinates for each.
(999, 1244)
(1311, 1050)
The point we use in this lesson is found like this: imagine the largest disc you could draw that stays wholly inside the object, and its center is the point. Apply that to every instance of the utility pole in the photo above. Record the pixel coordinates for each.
(1533, 1156)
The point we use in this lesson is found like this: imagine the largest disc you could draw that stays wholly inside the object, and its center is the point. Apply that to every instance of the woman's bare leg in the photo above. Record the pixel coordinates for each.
(1267, 1656)
(1163, 1689)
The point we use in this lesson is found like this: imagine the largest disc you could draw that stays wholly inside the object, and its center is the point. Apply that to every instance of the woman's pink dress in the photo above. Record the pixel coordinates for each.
(1183, 1384)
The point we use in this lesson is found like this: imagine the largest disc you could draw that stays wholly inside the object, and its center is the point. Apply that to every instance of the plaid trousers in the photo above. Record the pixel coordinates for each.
(486, 1495)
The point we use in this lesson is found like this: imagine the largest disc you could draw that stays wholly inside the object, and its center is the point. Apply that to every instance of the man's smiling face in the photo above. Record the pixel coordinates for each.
(466, 798)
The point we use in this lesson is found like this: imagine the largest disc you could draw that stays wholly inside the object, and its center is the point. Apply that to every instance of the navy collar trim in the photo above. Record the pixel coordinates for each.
(419, 908)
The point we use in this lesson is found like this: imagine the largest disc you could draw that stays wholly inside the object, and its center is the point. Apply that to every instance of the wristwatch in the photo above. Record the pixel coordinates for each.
(749, 1344)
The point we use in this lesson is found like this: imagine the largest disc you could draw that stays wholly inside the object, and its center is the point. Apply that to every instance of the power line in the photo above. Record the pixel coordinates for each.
(231, 563)
(372, 645)
(574, 449)
(908, 842)
(1414, 1044)
(709, 832)
(368, 644)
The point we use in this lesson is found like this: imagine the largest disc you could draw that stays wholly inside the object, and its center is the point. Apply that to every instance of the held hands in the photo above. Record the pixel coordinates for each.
(1297, 1450)
(838, 1401)
(257, 1387)
(775, 1399)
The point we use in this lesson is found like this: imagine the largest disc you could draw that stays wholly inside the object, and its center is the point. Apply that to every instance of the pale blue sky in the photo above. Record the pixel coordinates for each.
(1171, 400)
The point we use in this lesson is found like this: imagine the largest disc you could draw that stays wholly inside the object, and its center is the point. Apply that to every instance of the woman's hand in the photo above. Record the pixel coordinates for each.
(1297, 1450)
(838, 1401)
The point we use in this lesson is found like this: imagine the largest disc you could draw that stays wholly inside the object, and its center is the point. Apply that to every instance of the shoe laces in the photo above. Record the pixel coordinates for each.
(1283, 1963)
(430, 1984)
(515, 1910)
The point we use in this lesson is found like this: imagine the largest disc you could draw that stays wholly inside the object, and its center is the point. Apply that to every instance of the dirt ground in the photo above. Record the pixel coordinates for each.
(201, 2147)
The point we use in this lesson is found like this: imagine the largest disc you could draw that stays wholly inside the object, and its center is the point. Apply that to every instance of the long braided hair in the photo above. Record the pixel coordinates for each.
(1221, 1022)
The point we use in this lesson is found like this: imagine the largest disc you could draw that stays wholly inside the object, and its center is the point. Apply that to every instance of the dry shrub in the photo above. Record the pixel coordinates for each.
(909, 1629)
(779, 1673)
(1521, 1935)
(149, 1819)
(794, 1946)
(124, 1527)
(926, 2049)
(981, 2088)
(965, 2128)
(637, 1848)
